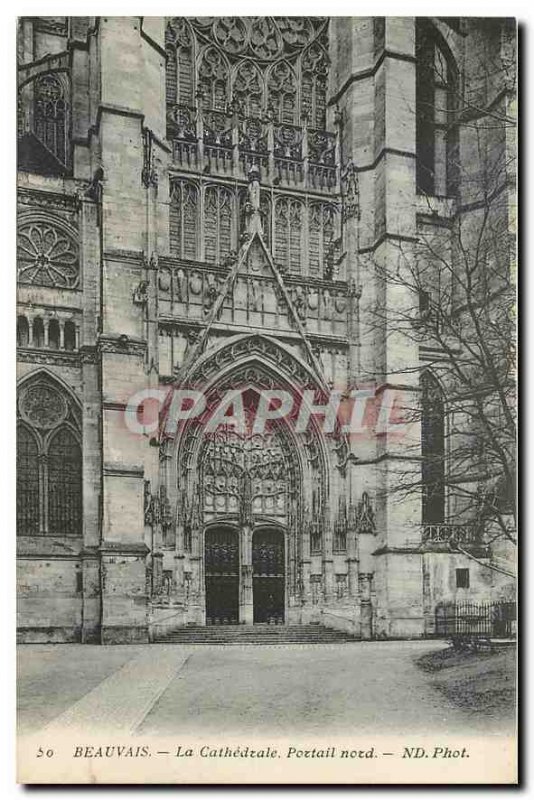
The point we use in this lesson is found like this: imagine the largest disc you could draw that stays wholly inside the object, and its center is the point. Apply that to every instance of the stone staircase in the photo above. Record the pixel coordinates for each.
(254, 634)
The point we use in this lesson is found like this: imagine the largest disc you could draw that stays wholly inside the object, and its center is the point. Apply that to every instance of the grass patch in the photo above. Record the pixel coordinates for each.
(482, 682)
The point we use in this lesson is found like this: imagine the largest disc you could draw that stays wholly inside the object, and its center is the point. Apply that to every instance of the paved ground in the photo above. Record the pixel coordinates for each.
(162, 689)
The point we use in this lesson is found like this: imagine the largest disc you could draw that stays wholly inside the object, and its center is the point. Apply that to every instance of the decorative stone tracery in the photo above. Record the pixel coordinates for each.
(295, 83)
(47, 253)
(49, 462)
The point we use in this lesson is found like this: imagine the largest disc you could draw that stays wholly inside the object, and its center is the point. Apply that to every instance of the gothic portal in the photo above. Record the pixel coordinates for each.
(209, 205)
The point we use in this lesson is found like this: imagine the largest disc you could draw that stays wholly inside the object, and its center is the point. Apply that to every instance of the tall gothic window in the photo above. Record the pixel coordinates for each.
(184, 214)
(436, 132)
(64, 483)
(213, 80)
(320, 236)
(50, 114)
(180, 64)
(314, 80)
(218, 223)
(432, 449)
(28, 503)
(49, 460)
(282, 93)
(288, 233)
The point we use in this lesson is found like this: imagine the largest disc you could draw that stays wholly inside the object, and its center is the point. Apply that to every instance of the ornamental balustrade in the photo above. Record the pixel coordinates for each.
(450, 533)
(222, 142)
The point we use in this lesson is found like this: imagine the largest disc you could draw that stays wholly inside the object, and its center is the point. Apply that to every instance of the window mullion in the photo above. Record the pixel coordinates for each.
(43, 495)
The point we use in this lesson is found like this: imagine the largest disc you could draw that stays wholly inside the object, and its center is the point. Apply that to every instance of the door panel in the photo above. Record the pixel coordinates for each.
(268, 582)
(221, 551)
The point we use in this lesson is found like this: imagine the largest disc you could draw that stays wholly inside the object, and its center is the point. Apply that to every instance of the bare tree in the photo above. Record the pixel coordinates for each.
(459, 279)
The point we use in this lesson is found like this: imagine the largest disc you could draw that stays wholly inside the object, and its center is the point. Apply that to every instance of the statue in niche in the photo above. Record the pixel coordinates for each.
(252, 212)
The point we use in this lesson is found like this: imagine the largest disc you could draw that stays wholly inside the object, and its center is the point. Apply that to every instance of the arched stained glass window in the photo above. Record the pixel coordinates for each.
(50, 114)
(180, 63)
(218, 224)
(64, 483)
(436, 132)
(320, 236)
(184, 220)
(28, 512)
(288, 233)
(313, 85)
(49, 460)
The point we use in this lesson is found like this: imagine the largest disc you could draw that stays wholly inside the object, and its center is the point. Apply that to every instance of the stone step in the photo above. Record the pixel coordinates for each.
(254, 634)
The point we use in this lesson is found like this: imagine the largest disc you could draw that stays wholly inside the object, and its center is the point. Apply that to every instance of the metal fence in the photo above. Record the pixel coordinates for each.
(476, 620)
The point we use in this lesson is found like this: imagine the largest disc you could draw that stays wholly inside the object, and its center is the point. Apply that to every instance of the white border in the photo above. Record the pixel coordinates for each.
(523, 11)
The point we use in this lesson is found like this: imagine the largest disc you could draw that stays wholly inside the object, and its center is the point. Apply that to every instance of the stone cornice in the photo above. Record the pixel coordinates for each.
(48, 199)
(132, 256)
(58, 358)
(124, 470)
(386, 550)
(185, 324)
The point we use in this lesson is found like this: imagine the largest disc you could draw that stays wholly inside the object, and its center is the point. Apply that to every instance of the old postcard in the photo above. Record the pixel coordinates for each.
(266, 400)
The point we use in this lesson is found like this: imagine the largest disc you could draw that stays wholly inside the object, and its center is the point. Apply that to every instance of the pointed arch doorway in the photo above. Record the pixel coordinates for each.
(253, 478)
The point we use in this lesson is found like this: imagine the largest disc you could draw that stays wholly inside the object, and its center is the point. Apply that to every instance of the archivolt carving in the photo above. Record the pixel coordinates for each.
(277, 369)
(282, 362)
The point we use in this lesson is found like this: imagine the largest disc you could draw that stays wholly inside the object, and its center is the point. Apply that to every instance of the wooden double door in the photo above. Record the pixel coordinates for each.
(222, 575)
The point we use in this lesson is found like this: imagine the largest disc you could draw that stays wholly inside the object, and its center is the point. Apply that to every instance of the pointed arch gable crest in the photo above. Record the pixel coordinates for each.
(253, 249)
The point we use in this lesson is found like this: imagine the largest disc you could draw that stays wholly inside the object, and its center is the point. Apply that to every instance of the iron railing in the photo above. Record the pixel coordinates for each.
(476, 620)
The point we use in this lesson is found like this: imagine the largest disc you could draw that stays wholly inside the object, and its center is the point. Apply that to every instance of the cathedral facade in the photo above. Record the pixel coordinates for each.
(207, 210)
